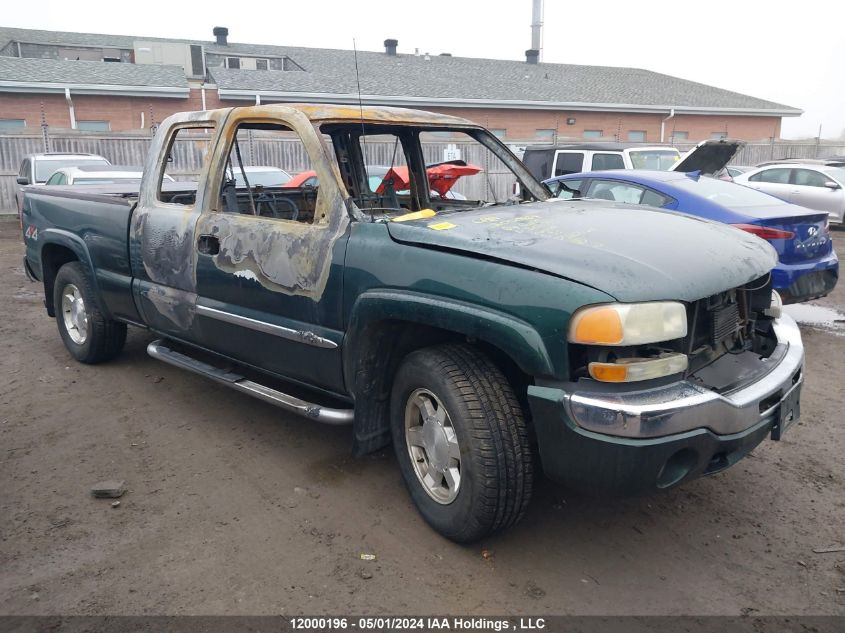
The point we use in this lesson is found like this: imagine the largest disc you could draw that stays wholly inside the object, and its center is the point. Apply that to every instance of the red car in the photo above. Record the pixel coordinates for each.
(441, 177)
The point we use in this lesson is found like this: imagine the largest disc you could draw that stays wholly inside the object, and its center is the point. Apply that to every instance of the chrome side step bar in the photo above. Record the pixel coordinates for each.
(159, 350)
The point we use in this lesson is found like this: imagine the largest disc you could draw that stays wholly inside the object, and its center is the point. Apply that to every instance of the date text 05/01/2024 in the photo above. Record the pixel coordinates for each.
(411, 623)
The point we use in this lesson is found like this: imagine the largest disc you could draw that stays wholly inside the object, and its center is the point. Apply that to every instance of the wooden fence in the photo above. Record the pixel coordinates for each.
(131, 149)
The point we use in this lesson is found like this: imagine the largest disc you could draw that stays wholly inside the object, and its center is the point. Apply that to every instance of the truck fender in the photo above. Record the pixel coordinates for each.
(373, 348)
(75, 244)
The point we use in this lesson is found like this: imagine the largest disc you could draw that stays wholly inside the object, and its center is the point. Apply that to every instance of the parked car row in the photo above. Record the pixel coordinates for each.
(656, 176)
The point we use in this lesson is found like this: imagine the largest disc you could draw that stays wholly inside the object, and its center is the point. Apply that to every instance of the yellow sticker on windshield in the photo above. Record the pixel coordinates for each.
(416, 215)
(441, 226)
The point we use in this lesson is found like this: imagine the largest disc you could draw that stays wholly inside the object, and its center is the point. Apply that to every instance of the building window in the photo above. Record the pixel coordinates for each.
(593, 133)
(545, 134)
(233, 62)
(636, 136)
(718, 136)
(499, 132)
(83, 54)
(680, 136)
(93, 126)
(12, 124)
(111, 55)
(262, 64)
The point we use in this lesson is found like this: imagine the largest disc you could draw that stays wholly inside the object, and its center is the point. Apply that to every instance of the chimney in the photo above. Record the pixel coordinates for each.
(221, 33)
(532, 56)
(390, 46)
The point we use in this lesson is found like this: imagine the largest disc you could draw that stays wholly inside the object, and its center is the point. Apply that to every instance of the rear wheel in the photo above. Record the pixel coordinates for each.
(88, 335)
(462, 442)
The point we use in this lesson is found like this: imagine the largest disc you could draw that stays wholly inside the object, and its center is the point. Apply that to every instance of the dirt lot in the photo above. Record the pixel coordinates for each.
(237, 508)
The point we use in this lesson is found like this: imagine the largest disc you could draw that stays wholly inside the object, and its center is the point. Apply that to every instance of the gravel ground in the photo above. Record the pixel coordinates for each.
(237, 508)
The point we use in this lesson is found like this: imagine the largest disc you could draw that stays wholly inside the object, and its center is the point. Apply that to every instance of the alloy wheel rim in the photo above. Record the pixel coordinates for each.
(433, 446)
(74, 314)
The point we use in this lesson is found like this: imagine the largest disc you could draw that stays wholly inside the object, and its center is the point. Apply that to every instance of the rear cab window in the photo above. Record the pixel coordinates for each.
(188, 150)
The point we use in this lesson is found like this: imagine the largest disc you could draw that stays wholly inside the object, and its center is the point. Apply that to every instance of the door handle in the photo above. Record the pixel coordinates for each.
(208, 245)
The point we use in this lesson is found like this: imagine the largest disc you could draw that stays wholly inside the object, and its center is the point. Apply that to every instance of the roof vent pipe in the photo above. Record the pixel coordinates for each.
(532, 56)
(537, 26)
(221, 33)
(390, 46)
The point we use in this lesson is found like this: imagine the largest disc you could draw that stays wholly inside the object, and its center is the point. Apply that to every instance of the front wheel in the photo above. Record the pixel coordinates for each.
(462, 442)
(88, 335)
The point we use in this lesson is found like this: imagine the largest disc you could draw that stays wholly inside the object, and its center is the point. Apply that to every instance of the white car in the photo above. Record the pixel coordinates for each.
(260, 175)
(807, 184)
(549, 161)
(36, 169)
(708, 157)
(98, 175)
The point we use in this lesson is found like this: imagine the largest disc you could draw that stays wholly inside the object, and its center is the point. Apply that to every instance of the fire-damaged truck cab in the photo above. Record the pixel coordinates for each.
(429, 307)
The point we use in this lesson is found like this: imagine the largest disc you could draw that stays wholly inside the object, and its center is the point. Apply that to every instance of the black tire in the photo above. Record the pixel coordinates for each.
(104, 338)
(496, 471)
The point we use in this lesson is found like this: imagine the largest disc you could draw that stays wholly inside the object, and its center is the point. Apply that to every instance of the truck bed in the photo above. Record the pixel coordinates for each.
(99, 216)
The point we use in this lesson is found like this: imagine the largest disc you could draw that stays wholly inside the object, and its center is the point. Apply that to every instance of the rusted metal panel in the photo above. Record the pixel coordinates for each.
(289, 257)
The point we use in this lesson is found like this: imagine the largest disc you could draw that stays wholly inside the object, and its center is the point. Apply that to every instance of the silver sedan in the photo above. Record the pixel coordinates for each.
(809, 185)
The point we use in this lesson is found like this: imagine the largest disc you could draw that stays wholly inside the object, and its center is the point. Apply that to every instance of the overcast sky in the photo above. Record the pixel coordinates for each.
(788, 52)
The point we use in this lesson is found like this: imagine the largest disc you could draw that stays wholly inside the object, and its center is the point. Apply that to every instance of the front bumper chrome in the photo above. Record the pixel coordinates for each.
(684, 406)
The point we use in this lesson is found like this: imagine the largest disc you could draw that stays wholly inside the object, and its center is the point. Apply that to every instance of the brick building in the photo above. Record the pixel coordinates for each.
(115, 82)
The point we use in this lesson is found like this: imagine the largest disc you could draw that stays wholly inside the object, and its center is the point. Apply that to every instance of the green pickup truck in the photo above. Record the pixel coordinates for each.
(485, 334)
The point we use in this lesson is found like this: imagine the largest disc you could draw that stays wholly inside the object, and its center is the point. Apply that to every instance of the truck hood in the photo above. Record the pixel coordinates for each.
(632, 253)
(708, 157)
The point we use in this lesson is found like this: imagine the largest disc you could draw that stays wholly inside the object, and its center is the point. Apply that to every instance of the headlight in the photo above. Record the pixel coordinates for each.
(628, 323)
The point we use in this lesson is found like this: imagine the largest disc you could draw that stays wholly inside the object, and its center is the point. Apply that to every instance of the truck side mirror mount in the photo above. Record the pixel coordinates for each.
(23, 180)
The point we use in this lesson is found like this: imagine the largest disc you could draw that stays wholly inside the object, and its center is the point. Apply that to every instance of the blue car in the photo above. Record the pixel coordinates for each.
(808, 267)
